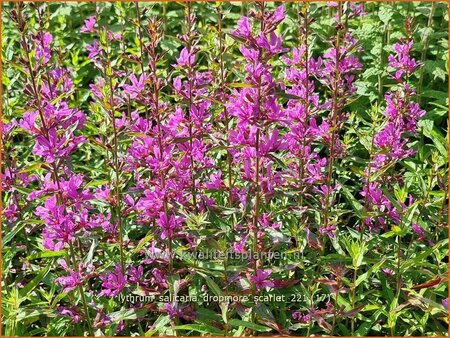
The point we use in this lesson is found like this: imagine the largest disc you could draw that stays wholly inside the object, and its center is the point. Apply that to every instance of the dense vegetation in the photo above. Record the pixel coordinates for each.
(224, 168)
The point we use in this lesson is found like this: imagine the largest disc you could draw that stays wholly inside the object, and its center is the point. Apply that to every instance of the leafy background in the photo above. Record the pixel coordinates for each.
(29, 293)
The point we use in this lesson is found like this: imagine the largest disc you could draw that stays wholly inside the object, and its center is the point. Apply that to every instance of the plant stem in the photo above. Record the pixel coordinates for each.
(426, 41)
(189, 47)
(227, 122)
(384, 40)
(362, 228)
(256, 181)
(333, 124)
(141, 46)
(164, 5)
(53, 165)
(398, 277)
(336, 295)
(257, 201)
(306, 60)
(118, 210)
(80, 289)
(156, 81)
(223, 99)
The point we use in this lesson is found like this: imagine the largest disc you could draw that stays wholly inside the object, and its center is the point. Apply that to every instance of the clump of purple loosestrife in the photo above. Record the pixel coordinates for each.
(224, 169)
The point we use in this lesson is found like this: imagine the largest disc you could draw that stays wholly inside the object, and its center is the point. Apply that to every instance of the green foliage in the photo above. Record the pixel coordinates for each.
(30, 296)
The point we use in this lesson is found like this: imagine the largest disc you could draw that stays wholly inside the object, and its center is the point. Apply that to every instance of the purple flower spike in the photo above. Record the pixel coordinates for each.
(113, 282)
(89, 24)
(260, 279)
(186, 58)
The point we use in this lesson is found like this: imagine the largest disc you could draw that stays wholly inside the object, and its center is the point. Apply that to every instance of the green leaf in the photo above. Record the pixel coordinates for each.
(31, 167)
(10, 235)
(212, 285)
(372, 269)
(253, 326)
(159, 323)
(356, 206)
(240, 85)
(202, 328)
(207, 315)
(96, 183)
(90, 254)
(367, 325)
(5, 79)
(25, 314)
(46, 254)
(439, 141)
(35, 281)
(58, 298)
(127, 314)
(385, 14)
(142, 242)
(431, 305)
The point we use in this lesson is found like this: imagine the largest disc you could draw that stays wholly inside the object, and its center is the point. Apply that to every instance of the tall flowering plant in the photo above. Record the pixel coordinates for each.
(191, 87)
(390, 144)
(340, 63)
(177, 175)
(105, 99)
(64, 200)
(305, 166)
(256, 136)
